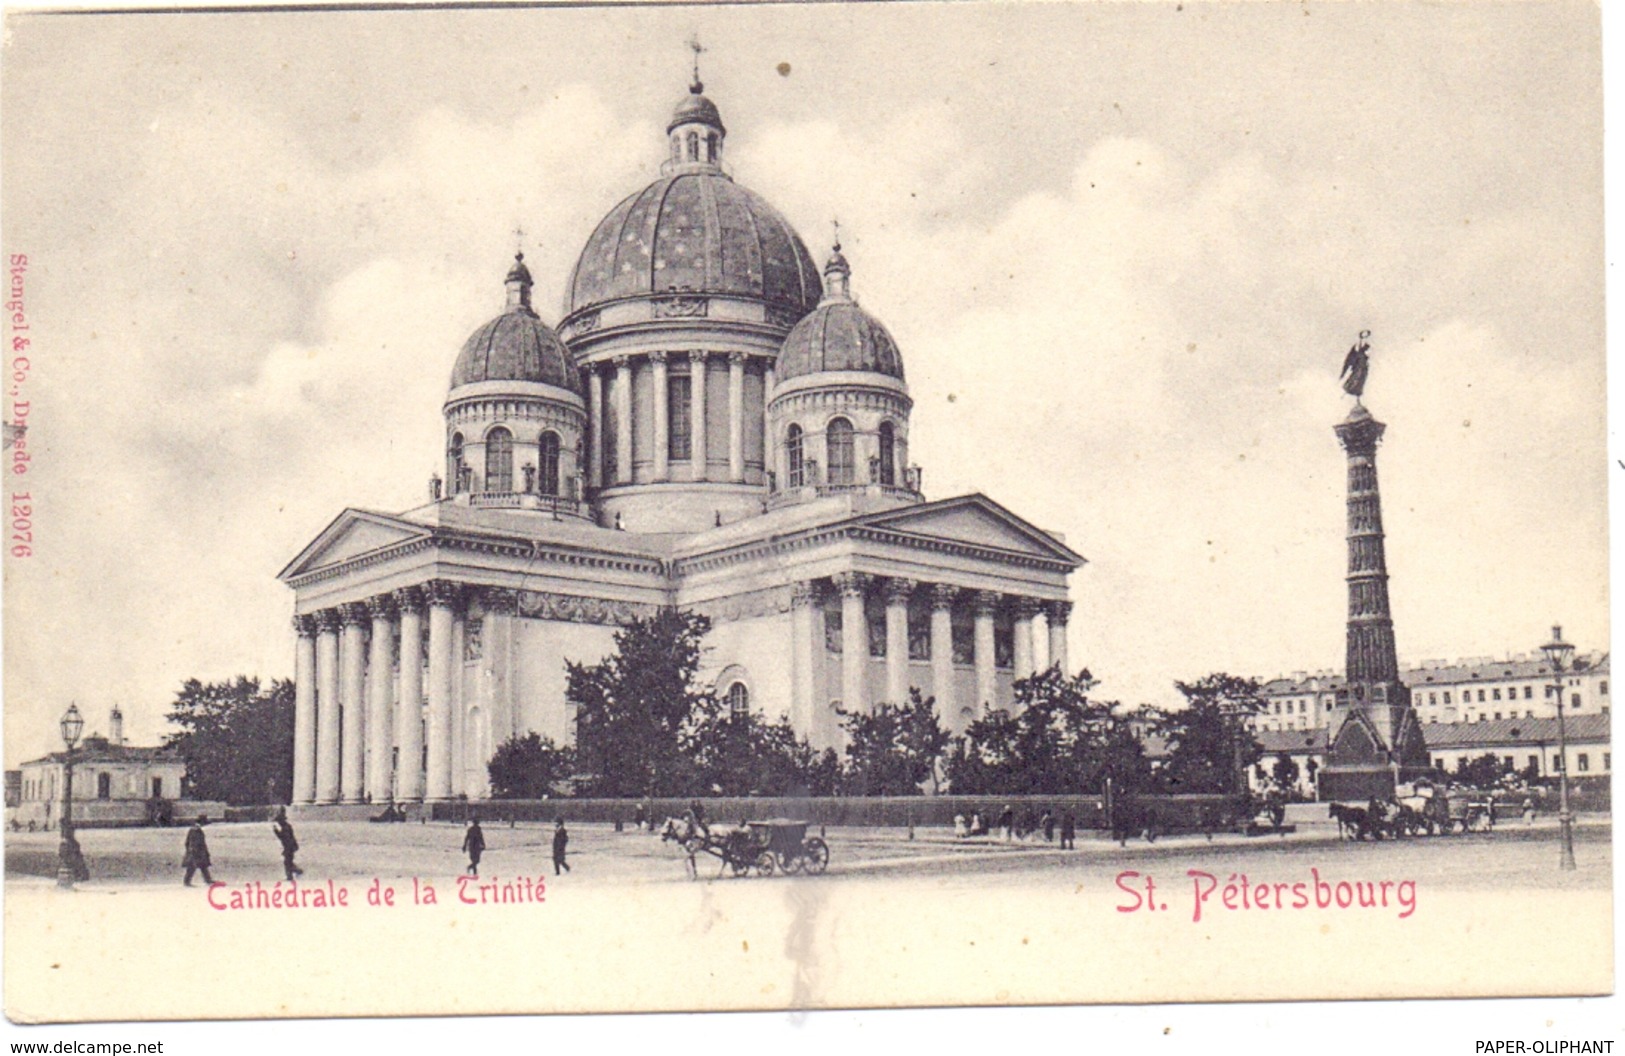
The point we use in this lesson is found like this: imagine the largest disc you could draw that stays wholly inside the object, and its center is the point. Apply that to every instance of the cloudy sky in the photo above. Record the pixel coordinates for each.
(1123, 249)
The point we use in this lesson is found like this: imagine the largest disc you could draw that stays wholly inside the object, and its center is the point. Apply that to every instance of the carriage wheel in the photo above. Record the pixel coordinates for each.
(789, 862)
(740, 866)
(816, 856)
(764, 863)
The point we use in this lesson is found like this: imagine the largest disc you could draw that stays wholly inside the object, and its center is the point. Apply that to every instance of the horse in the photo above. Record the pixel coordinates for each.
(1355, 820)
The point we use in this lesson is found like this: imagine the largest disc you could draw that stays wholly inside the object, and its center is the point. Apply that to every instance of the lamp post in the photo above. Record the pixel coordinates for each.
(1559, 654)
(70, 862)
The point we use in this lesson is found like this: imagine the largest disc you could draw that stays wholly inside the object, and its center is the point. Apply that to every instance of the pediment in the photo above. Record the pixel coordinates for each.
(352, 534)
(975, 520)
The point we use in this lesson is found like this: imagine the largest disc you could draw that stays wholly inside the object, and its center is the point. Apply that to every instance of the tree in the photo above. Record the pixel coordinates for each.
(236, 738)
(1285, 772)
(893, 750)
(528, 767)
(633, 705)
(1481, 772)
(743, 754)
(1206, 736)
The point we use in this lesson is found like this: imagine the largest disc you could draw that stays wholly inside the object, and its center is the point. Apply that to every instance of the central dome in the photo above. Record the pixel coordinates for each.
(695, 231)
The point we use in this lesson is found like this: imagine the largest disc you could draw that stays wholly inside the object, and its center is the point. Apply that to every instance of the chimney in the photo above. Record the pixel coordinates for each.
(115, 727)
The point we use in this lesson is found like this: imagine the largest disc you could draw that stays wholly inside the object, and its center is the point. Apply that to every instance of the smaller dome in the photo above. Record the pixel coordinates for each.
(838, 335)
(696, 109)
(515, 346)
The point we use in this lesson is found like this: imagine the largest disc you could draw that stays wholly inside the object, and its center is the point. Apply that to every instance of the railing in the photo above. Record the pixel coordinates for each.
(519, 500)
(809, 492)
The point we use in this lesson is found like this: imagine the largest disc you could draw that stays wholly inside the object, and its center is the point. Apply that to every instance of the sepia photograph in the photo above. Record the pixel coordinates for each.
(672, 508)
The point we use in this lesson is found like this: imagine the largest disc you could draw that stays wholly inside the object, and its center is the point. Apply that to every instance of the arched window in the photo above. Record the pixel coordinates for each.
(104, 786)
(693, 146)
(454, 464)
(499, 460)
(711, 148)
(796, 464)
(888, 453)
(738, 700)
(838, 438)
(547, 466)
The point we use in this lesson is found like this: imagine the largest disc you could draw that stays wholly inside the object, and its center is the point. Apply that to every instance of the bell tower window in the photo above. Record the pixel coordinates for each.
(795, 460)
(499, 460)
(838, 438)
(888, 454)
(711, 148)
(693, 139)
(547, 475)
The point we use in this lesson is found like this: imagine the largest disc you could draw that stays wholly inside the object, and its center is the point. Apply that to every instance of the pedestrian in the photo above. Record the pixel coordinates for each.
(1047, 823)
(284, 835)
(561, 839)
(977, 826)
(1528, 811)
(1069, 832)
(960, 831)
(473, 846)
(1007, 823)
(196, 858)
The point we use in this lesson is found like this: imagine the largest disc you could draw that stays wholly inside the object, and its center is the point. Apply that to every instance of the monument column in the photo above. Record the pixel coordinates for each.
(409, 712)
(353, 697)
(380, 690)
(897, 595)
(736, 416)
(442, 597)
(1024, 610)
(942, 652)
(696, 426)
(304, 710)
(984, 604)
(327, 706)
(854, 640)
(662, 418)
(595, 426)
(623, 420)
(1057, 613)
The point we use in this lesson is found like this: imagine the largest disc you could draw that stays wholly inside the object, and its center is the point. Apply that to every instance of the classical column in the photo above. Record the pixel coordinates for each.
(984, 603)
(304, 710)
(595, 426)
(623, 420)
(409, 712)
(380, 690)
(1057, 613)
(804, 643)
(736, 416)
(897, 595)
(459, 707)
(662, 418)
(1024, 609)
(854, 640)
(696, 427)
(327, 706)
(353, 697)
(442, 597)
(770, 449)
(942, 652)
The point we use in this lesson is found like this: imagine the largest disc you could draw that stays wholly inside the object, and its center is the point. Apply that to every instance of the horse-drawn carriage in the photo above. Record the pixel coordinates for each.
(1416, 810)
(765, 847)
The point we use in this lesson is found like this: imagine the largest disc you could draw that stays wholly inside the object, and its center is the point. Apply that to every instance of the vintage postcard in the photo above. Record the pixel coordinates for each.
(692, 508)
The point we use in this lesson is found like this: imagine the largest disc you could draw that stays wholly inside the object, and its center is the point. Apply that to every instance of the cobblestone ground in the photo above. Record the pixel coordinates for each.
(1512, 856)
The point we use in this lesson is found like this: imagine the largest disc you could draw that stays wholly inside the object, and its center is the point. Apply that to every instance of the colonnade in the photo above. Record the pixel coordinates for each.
(358, 699)
(618, 377)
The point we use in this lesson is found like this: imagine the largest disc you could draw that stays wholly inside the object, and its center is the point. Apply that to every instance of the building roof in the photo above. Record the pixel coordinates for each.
(695, 232)
(516, 346)
(1512, 732)
(838, 336)
(97, 750)
(696, 108)
(1420, 676)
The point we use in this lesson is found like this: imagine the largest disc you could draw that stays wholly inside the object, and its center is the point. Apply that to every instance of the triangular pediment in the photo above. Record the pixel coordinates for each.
(975, 520)
(353, 534)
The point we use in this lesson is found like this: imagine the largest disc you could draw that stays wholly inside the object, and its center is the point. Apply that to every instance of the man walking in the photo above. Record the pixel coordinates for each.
(1069, 831)
(284, 835)
(196, 858)
(561, 840)
(474, 846)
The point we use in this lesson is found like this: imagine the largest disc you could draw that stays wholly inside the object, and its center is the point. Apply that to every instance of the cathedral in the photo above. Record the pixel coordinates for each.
(715, 424)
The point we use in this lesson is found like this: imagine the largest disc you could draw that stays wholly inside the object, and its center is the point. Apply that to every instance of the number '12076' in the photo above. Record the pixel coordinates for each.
(22, 524)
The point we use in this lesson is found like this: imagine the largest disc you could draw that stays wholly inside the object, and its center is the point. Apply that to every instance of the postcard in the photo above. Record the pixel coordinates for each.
(779, 508)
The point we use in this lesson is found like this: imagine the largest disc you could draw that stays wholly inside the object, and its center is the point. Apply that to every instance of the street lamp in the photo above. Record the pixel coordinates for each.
(1560, 654)
(70, 863)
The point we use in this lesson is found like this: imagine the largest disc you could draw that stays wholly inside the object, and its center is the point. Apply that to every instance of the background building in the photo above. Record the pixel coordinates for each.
(113, 783)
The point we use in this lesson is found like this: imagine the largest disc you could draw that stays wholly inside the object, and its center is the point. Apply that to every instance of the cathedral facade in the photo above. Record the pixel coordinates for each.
(715, 424)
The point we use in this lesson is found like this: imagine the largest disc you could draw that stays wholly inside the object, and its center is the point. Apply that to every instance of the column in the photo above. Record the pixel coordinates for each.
(803, 645)
(595, 426)
(409, 712)
(662, 418)
(353, 699)
(897, 595)
(623, 420)
(984, 603)
(696, 396)
(942, 653)
(459, 706)
(380, 690)
(770, 448)
(327, 706)
(1057, 613)
(1024, 610)
(736, 416)
(442, 597)
(854, 640)
(304, 710)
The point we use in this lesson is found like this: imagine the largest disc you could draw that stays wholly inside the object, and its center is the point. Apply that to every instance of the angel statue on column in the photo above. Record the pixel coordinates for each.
(1356, 366)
